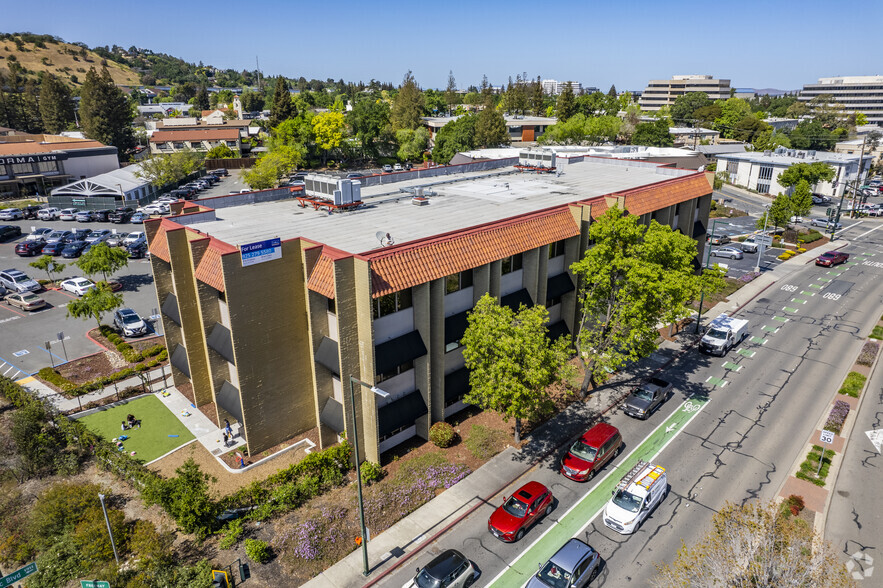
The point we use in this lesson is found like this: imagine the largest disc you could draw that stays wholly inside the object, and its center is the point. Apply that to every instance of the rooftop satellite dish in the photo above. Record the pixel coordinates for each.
(385, 239)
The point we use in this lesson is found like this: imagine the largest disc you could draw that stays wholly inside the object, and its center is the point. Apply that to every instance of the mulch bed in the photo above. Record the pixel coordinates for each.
(84, 369)
(232, 460)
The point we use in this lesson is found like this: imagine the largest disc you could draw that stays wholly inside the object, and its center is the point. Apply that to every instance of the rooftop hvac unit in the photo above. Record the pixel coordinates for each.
(767, 153)
(330, 188)
(537, 158)
(811, 153)
(780, 150)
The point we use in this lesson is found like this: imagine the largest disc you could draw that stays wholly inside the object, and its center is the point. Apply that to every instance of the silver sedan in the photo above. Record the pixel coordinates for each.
(730, 252)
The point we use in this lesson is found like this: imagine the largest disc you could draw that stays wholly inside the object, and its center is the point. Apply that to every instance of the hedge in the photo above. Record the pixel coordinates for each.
(810, 237)
(127, 350)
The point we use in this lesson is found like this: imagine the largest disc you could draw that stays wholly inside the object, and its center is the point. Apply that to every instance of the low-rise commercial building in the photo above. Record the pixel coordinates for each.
(196, 139)
(520, 128)
(120, 187)
(855, 146)
(270, 303)
(659, 93)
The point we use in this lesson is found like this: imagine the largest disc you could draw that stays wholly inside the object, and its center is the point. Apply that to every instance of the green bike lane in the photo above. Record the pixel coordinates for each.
(581, 514)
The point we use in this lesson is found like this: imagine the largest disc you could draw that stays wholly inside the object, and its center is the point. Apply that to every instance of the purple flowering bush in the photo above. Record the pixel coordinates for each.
(837, 417)
(748, 276)
(869, 352)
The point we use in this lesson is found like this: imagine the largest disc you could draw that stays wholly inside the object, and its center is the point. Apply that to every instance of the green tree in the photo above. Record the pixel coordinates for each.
(769, 140)
(283, 108)
(36, 443)
(457, 135)
(491, 129)
(756, 544)
(102, 259)
(368, 119)
(706, 115)
(273, 166)
(201, 101)
(811, 134)
(220, 152)
(168, 168)
(412, 144)
(632, 279)
(407, 107)
(95, 303)
(451, 96)
(56, 105)
(749, 128)
(90, 534)
(801, 199)
(685, 105)
(813, 173)
(537, 98)
(329, 128)
(733, 110)
(48, 264)
(612, 91)
(251, 101)
(565, 106)
(777, 215)
(569, 132)
(601, 129)
(653, 134)
(511, 360)
(187, 498)
(106, 114)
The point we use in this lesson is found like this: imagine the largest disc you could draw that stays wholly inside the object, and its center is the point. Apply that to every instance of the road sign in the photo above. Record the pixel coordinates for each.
(765, 240)
(17, 575)
(827, 437)
(94, 584)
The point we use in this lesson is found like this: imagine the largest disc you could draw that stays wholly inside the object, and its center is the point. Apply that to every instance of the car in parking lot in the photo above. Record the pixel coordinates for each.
(354, 176)
(832, 258)
(520, 511)
(68, 214)
(73, 249)
(450, 569)
(30, 211)
(397, 167)
(29, 248)
(54, 248)
(575, 565)
(139, 217)
(591, 452)
(795, 219)
(116, 239)
(25, 301)
(823, 222)
(9, 232)
(718, 239)
(38, 234)
(134, 237)
(77, 235)
(85, 216)
(18, 281)
(387, 169)
(137, 250)
(57, 235)
(100, 216)
(77, 285)
(221, 171)
(129, 323)
(729, 252)
(11, 214)
(121, 215)
(98, 235)
(50, 213)
(156, 208)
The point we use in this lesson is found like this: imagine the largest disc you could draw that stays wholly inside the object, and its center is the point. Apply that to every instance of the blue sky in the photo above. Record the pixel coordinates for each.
(776, 43)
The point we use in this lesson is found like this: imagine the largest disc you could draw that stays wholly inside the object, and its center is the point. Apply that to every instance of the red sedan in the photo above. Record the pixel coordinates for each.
(521, 510)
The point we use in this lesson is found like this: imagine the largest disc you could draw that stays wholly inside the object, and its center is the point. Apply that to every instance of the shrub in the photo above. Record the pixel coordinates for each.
(442, 434)
(371, 472)
(258, 551)
(853, 384)
(837, 416)
(53, 377)
(231, 534)
(877, 333)
(794, 504)
(485, 442)
(869, 352)
(810, 467)
(811, 237)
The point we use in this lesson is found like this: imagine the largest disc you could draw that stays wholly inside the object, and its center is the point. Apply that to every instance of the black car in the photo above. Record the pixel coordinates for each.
(9, 232)
(74, 249)
(221, 171)
(137, 250)
(54, 248)
(29, 211)
(100, 216)
(28, 248)
(121, 215)
(76, 235)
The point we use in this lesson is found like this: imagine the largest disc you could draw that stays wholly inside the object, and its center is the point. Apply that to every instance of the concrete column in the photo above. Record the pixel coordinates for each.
(542, 274)
(421, 299)
(570, 301)
(704, 211)
(530, 274)
(436, 345)
(495, 269)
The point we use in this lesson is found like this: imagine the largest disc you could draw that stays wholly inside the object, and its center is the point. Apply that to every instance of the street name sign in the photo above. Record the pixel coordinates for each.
(17, 575)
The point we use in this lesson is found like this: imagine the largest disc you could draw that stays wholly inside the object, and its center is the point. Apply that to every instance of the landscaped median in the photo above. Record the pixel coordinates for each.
(581, 514)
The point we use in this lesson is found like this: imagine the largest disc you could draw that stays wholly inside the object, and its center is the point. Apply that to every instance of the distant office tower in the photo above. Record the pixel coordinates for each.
(554, 87)
(661, 93)
(862, 94)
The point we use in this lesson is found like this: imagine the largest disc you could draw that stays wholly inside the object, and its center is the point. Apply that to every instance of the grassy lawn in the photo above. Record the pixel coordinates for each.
(152, 439)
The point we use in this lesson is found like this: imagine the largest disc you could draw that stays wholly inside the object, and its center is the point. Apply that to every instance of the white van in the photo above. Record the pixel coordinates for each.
(635, 497)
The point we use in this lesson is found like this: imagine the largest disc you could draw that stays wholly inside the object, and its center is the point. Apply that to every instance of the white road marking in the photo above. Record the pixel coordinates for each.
(868, 232)
(876, 438)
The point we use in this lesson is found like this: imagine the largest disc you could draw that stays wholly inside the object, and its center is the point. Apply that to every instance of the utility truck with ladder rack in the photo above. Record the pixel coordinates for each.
(635, 497)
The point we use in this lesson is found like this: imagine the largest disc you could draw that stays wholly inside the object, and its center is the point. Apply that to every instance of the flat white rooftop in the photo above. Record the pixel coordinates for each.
(460, 201)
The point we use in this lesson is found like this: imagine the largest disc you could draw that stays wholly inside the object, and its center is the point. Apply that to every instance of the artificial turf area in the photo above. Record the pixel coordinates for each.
(152, 439)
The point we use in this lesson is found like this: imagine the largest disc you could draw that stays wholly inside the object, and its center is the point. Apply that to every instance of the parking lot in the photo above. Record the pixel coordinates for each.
(23, 335)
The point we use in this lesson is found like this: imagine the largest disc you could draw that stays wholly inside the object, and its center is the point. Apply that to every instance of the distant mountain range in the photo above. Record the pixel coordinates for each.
(767, 91)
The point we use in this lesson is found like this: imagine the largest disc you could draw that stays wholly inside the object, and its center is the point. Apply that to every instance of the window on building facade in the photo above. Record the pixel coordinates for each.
(391, 303)
(457, 282)
(48, 167)
(22, 169)
(550, 302)
(556, 248)
(452, 346)
(231, 144)
(766, 173)
(332, 306)
(400, 369)
(511, 264)
(732, 167)
(179, 145)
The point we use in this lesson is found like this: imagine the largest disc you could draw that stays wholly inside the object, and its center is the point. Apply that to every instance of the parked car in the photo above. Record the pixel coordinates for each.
(54, 248)
(50, 213)
(134, 237)
(38, 234)
(100, 216)
(591, 452)
(68, 214)
(795, 219)
(718, 239)
(73, 249)
(25, 301)
(354, 176)
(116, 239)
(77, 235)
(156, 208)
(85, 216)
(408, 167)
(129, 323)
(823, 222)
(647, 397)
(397, 167)
(29, 248)
(729, 252)
(11, 214)
(9, 232)
(749, 245)
(77, 285)
(221, 171)
(137, 250)
(17, 281)
(519, 512)
(575, 565)
(450, 569)
(387, 169)
(98, 235)
(139, 218)
(57, 235)
(832, 258)
(30, 211)
(121, 215)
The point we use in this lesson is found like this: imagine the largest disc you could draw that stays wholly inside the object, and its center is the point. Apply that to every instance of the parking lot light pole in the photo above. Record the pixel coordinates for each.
(762, 247)
(707, 260)
(382, 394)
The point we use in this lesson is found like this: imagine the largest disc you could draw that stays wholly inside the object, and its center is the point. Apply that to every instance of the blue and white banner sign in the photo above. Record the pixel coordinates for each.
(254, 253)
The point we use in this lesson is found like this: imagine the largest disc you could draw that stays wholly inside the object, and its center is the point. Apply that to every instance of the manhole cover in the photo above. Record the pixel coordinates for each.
(216, 451)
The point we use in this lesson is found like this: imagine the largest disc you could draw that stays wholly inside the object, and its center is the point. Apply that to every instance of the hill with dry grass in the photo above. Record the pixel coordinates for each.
(66, 61)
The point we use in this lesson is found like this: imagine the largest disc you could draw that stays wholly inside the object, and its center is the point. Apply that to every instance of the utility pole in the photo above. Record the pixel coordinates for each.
(258, 68)
(109, 531)
(858, 176)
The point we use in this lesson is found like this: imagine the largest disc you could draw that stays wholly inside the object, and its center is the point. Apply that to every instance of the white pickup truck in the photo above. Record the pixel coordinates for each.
(723, 334)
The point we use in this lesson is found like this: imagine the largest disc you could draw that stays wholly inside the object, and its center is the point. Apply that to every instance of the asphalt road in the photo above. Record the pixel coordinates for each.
(23, 335)
(761, 407)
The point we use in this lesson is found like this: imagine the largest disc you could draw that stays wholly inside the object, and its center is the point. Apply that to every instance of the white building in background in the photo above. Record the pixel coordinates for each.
(862, 94)
(554, 87)
(659, 93)
(760, 171)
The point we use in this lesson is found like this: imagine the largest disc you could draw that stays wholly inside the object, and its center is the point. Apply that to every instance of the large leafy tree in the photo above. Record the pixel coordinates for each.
(511, 360)
(104, 260)
(801, 198)
(105, 111)
(685, 105)
(48, 264)
(457, 135)
(777, 215)
(412, 144)
(407, 107)
(95, 303)
(369, 118)
(653, 134)
(565, 106)
(812, 134)
(329, 129)
(757, 544)
(490, 128)
(632, 279)
(201, 101)
(749, 128)
(273, 166)
(56, 105)
(813, 173)
(733, 110)
(167, 168)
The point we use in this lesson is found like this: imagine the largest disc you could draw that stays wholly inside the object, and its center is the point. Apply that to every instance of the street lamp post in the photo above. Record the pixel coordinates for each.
(707, 260)
(382, 394)
(761, 249)
(109, 530)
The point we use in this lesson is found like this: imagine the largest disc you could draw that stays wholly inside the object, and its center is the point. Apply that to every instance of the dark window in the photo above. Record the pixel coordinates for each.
(732, 167)
(553, 301)
(511, 264)
(556, 249)
(332, 306)
(400, 369)
(222, 295)
(457, 282)
(453, 345)
(766, 173)
(391, 303)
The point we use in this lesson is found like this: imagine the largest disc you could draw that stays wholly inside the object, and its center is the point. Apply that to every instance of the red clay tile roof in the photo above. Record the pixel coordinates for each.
(159, 246)
(210, 269)
(322, 277)
(649, 198)
(195, 135)
(397, 268)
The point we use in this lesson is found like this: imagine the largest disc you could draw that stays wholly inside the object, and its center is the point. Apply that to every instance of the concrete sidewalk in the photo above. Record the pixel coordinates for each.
(397, 544)
(205, 431)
